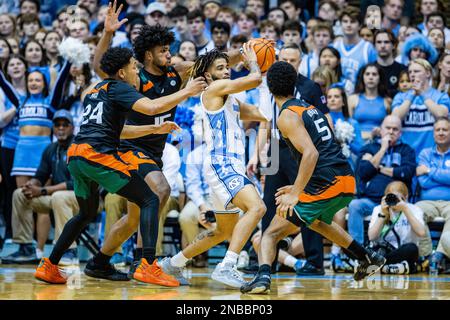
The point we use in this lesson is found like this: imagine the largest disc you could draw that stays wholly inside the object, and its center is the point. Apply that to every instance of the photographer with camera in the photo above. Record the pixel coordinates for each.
(395, 229)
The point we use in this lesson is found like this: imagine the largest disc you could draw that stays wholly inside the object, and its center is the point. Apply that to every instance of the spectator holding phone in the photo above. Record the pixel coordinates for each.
(395, 229)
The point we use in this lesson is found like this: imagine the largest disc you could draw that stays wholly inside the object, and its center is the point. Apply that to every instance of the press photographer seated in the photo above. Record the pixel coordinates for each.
(395, 229)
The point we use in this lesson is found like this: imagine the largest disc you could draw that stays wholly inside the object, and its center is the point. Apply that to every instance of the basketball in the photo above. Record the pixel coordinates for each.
(265, 52)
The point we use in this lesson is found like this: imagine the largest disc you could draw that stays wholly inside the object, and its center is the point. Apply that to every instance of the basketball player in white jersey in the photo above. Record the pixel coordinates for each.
(225, 165)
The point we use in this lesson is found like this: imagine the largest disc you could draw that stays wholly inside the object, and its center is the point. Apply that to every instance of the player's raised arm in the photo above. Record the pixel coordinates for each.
(134, 132)
(112, 24)
(252, 80)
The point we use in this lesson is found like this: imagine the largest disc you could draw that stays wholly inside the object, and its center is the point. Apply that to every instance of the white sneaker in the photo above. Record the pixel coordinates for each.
(228, 275)
(243, 260)
(39, 253)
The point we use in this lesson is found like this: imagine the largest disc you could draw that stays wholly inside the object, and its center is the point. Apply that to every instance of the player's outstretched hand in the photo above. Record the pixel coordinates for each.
(248, 53)
(112, 23)
(197, 85)
(285, 204)
(283, 190)
(167, 127)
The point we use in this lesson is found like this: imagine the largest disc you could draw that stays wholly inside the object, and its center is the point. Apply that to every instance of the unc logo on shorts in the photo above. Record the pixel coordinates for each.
(173, 83)
(234, 183)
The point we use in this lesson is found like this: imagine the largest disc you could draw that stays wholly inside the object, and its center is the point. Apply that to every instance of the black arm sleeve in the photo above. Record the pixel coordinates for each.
(9, 90)
(58, 92)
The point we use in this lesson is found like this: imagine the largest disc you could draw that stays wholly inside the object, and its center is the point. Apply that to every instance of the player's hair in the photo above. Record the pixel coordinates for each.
(115, 59)
(150, 37)
(281, 79)
(203, 62)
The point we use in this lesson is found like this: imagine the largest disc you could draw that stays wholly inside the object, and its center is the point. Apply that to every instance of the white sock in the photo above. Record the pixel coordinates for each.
(335, 250)
(230, 258)
(290, 261)
(179, 260)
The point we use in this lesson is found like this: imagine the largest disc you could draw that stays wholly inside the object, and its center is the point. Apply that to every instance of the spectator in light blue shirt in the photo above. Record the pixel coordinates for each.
(419, 106)
(434, 178)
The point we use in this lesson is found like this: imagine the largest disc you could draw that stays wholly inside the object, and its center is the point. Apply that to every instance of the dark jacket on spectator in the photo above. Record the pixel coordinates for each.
(54, 165)
(401, 157)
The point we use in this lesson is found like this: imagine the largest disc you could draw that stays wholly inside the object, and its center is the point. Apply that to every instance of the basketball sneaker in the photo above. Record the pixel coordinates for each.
(259, 285)
(152, 273)
(372, 264)
(50, 273)
(108, 272)
(176, 272)
(228, 274)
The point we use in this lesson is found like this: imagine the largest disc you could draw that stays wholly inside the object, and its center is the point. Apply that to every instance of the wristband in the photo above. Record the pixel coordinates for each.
(381, 216)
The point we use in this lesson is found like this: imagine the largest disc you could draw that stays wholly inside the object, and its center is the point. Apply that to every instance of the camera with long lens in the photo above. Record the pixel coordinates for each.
(210, 216)
(391, 199)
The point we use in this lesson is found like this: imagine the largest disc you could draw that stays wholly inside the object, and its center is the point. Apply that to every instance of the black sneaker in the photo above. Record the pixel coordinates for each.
(309, 269)
(372, 264)
(133, 267)
(259, 285)
(107, 272)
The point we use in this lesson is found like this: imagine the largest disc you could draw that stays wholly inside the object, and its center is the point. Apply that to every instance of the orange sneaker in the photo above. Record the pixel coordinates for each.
(50, 273)
(152, 273)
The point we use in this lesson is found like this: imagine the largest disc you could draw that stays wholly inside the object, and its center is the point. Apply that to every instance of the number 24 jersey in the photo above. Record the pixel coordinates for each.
(105, 109)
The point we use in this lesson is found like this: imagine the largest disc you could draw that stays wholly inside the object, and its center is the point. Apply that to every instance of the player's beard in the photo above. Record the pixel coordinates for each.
(164, 69)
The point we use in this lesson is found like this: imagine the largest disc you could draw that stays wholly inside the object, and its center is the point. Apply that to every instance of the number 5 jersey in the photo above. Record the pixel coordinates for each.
(332, 166)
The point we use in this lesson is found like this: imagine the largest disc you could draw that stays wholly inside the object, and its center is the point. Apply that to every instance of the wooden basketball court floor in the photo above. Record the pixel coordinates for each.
(17, 283)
